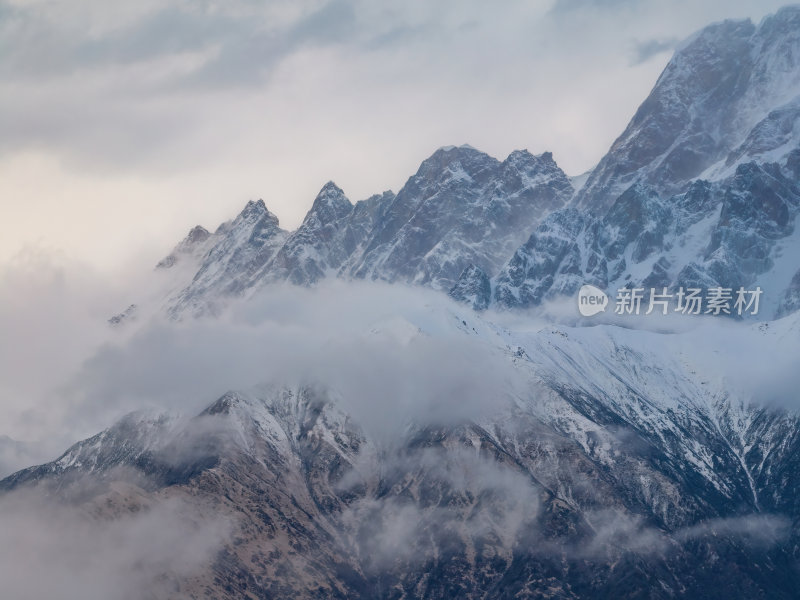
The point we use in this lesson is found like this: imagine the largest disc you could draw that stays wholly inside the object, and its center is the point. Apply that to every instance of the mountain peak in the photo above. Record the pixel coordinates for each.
(446, 153)
(461, 163)
(452, 148)
(330, 188)
(253, 211)
(330, 205)
(523, 157)
(719, 32)
(720, 86)
(254, 206)
(196, 234)
(196, 237)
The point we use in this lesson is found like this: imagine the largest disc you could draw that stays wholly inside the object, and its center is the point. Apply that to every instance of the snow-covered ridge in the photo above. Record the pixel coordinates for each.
(701, 189)
(462, 207)
(465, 449)
(709, 110)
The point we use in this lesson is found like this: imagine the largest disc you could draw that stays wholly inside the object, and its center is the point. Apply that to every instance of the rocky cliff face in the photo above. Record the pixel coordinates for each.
(701, 189)
(729, 95)
(462, 207)
(729, 233)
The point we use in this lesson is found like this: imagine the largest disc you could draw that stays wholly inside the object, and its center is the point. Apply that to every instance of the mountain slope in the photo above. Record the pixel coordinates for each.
(615, 469)
(462, 207)
(728, 96)
(733, 233)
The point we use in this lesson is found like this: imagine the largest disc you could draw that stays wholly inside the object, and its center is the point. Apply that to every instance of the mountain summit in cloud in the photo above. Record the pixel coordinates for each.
(371, 406)
(699, 190)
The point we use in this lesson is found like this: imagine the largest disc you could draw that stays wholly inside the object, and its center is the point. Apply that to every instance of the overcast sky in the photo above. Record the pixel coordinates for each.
(124, 123)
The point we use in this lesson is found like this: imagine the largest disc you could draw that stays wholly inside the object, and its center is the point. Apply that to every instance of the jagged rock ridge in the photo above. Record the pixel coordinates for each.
(462, 207)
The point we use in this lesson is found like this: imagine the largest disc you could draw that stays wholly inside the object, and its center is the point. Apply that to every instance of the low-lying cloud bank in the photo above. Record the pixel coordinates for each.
(392, 353)
(121, 546)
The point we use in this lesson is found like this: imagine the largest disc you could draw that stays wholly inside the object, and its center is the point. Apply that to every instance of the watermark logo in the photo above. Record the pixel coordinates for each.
(688, 301)
(591, 300)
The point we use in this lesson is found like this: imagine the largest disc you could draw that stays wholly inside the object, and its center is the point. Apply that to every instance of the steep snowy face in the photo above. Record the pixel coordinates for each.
(701, 190)
(736, 232)
(473, 288)
(236, 252)
(551, 262)
(462, 207)
(774, 79)
(316, 249)
(728, 96)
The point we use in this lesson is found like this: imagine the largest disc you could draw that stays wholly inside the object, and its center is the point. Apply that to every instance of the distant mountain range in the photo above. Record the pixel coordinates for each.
(624, 468)
(699, 190)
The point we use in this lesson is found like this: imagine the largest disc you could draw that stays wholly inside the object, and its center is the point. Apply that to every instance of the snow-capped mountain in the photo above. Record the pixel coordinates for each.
(623, 461)
(700, 190)
(462, 207)
(728, 96)
(229, 260)
(555, 461)
(332, 230)
(738, 232)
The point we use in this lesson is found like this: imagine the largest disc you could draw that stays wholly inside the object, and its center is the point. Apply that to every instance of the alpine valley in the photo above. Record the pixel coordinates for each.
(466, 434)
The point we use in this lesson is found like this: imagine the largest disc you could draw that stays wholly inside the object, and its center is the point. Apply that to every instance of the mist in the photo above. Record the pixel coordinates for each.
(396, 361)
(390, 353)
(121, 545)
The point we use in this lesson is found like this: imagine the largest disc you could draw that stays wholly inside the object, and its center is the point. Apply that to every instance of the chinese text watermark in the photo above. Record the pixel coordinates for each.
(688, 301)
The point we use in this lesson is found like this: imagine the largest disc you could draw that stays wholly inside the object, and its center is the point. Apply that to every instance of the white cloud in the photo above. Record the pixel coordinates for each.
(388, 352)
(185, 110)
